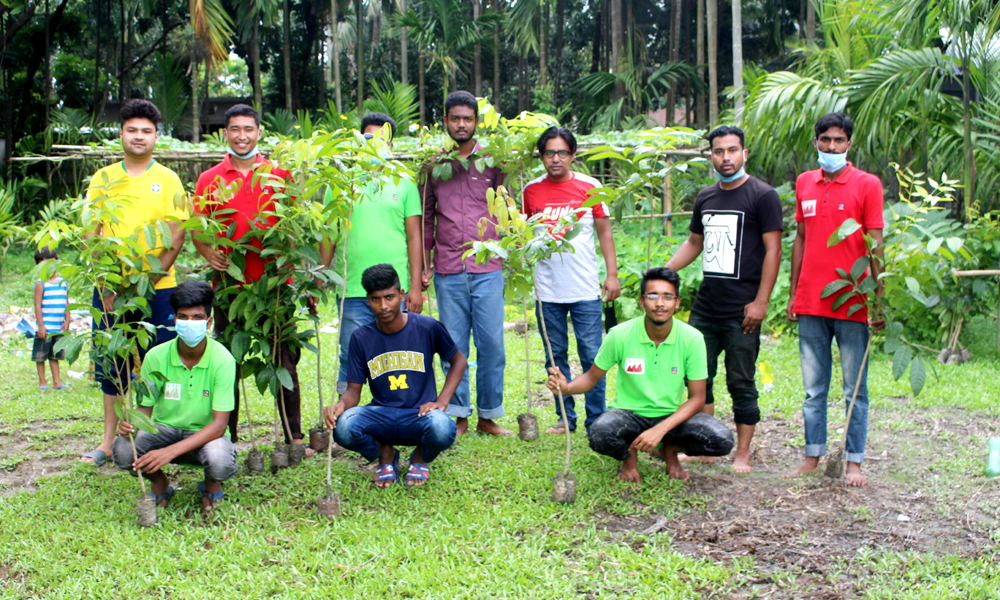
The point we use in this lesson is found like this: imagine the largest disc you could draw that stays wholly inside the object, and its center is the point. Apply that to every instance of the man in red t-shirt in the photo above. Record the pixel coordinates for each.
(244, 164)
(825, 198)
(568, 283)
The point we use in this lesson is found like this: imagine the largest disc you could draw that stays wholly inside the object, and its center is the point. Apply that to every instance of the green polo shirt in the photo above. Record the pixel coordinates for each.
(187, 397)
(650, 377)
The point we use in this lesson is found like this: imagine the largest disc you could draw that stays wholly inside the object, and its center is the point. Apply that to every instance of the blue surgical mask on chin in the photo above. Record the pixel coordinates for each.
(250, 154)
(731, 178)
(191, 332)
(831, 163)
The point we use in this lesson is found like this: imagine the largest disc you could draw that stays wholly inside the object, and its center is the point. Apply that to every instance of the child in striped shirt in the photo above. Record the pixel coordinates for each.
(52, 316)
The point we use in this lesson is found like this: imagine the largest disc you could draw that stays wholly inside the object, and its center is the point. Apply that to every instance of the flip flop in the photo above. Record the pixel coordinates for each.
(213, 497)
(98, 456)
(62, 387)
(417, 472)
(42, 388)
(157, 498)
(388, 472)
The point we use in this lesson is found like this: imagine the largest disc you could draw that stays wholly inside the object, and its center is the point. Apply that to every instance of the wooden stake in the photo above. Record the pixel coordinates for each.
(562, 403)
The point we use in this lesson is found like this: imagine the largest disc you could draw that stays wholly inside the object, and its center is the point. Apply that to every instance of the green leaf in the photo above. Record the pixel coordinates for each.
(846, 229)
(853, 309)
(166, 237)
(954, 243)
(894, 328)
(900, 361)
(139, 420)
(235, 272)
(859, 268)
(891, 345)
(120, 409)
(149, 232)
(918, 375)
(842, 299)
(833, 287)
(913, 285)
(285, 378)
(933, 245)
(843, 274)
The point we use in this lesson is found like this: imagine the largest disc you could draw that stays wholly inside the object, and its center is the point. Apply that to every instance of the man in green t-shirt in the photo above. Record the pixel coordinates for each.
(657, 357)
(385, 228)
(193, 379)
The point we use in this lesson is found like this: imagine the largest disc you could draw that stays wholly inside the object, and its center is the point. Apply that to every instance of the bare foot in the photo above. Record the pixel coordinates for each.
(309, 451)
(674, 468)
(854, 477)
(629, 471)
(708, 460)
(490, 427)
(461, 426)
(557, 429)
(741, 461)
(808, 465)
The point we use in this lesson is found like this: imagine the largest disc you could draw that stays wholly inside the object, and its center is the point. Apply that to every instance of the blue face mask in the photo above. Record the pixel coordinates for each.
(831, 163)
(732, 177)
(250, 154)
(191, 332)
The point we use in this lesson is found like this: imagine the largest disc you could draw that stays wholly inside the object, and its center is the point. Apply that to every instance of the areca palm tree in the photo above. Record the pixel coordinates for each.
(212, 28)
(250, 16)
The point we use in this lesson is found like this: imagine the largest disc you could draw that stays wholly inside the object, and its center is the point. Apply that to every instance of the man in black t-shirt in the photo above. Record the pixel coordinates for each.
(736, 227)
(394, 354)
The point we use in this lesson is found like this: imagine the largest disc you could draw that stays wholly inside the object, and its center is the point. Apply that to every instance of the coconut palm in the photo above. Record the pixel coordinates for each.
(212, 28)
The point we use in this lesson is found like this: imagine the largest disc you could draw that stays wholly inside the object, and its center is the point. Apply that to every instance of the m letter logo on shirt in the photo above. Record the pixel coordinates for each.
(808, 208)
(172, 391)
(635, 366)
(398, 383)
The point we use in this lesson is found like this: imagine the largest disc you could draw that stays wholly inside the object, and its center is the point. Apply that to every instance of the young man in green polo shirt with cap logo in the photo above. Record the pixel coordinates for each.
(193, 400)
(657, 357)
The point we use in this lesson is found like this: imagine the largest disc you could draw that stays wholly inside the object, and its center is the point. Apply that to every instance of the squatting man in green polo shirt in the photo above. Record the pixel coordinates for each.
(654, 354)
(192, 404)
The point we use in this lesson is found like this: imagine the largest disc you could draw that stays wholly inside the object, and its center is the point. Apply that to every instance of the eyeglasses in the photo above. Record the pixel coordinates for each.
(559, 153)
(655, 297)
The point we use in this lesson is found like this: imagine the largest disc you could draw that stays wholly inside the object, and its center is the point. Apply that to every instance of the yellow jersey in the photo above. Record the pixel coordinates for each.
(155, 194)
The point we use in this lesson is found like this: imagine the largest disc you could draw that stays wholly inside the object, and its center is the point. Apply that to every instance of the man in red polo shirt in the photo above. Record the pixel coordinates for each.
(244, 164)
(825, 198)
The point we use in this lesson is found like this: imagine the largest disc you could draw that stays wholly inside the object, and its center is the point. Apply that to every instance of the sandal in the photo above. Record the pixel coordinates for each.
(417, 472)
(166, 496)
(388, 472)
(98, 456)
(213, 497)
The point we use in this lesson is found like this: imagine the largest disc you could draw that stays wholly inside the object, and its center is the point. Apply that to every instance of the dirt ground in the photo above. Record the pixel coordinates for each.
(926, 494)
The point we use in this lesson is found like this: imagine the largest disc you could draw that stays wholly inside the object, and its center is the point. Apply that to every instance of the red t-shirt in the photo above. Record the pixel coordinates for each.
(567, 276)
(822, 206)
(249, 201)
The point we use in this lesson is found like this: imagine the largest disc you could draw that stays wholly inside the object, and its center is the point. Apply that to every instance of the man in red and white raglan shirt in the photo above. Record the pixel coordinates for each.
(243, 163)
(569, 282)
(825, 198)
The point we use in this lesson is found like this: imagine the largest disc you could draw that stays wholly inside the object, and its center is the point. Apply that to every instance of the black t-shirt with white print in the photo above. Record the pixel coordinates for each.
(733, 223)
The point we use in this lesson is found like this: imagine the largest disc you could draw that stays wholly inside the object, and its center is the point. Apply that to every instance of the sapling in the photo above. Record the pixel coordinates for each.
(255, 458)
(527, 423)
(319, 436)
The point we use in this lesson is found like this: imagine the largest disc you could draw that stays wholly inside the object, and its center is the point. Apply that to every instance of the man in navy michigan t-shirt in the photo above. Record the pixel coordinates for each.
(394, 354)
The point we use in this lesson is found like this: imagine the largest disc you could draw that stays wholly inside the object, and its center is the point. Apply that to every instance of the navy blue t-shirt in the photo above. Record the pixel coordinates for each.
(399, 367)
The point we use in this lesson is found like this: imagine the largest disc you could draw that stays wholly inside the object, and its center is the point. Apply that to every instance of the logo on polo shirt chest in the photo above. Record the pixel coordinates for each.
(205, 393)
(156, 188)
(673, 370)
(808, 208)
(635, 366)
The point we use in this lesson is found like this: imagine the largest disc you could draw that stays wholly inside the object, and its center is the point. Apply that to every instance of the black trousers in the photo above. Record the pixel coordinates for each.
(701, 435)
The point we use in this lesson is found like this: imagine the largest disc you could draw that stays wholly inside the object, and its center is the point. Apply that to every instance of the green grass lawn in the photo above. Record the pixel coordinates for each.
(485, 526)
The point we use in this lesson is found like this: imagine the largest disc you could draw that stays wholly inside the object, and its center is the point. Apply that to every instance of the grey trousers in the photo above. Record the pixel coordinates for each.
(701, 435)
(218, 456)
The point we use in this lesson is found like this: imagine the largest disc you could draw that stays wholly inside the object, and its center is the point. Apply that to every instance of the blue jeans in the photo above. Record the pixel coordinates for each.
(356, 313)
(364, 429)
(586, 317)
(161, 316)
(218, 456)
(815, 337)
(473, 303)
(726, 335)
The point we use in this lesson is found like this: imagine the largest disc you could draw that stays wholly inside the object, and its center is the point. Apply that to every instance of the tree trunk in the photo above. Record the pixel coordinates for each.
(543, 50)
(675, 54)
(334, 18)
(559, 43)
(421, 87)
(618, 64)
(97, 64)
(404, 60)
(195, 98)
(258, 92)
(121, 55)
(598, 42)
(700, 60)
(738, 55)
(359, 54)
(496, 57)
(286, 26)
(477, 55)
(522, 83)
(711, 13)
(810, 22)
(969, 159)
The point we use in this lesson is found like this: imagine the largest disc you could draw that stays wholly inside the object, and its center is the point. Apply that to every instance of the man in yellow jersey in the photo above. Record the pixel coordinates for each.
(151, 193)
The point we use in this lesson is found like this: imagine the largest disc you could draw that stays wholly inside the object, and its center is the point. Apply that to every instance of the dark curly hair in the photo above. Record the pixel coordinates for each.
(141, 109)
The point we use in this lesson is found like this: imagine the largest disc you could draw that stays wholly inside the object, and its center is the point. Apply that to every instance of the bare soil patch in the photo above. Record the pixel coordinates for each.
(811, 525)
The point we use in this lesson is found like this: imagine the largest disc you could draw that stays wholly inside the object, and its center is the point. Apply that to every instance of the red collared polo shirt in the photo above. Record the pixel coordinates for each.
(822, 206)
(249, 201)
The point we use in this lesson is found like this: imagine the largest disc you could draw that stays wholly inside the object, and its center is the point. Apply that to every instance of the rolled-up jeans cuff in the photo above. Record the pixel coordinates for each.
(459, 412)
(856, 457)
(815, 450)
(491, 413)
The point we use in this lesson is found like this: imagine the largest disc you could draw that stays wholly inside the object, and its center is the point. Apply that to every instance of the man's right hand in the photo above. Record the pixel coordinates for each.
(557, 381)
(332, 413)
(109, 302)
(791, 315)
(218, 260)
